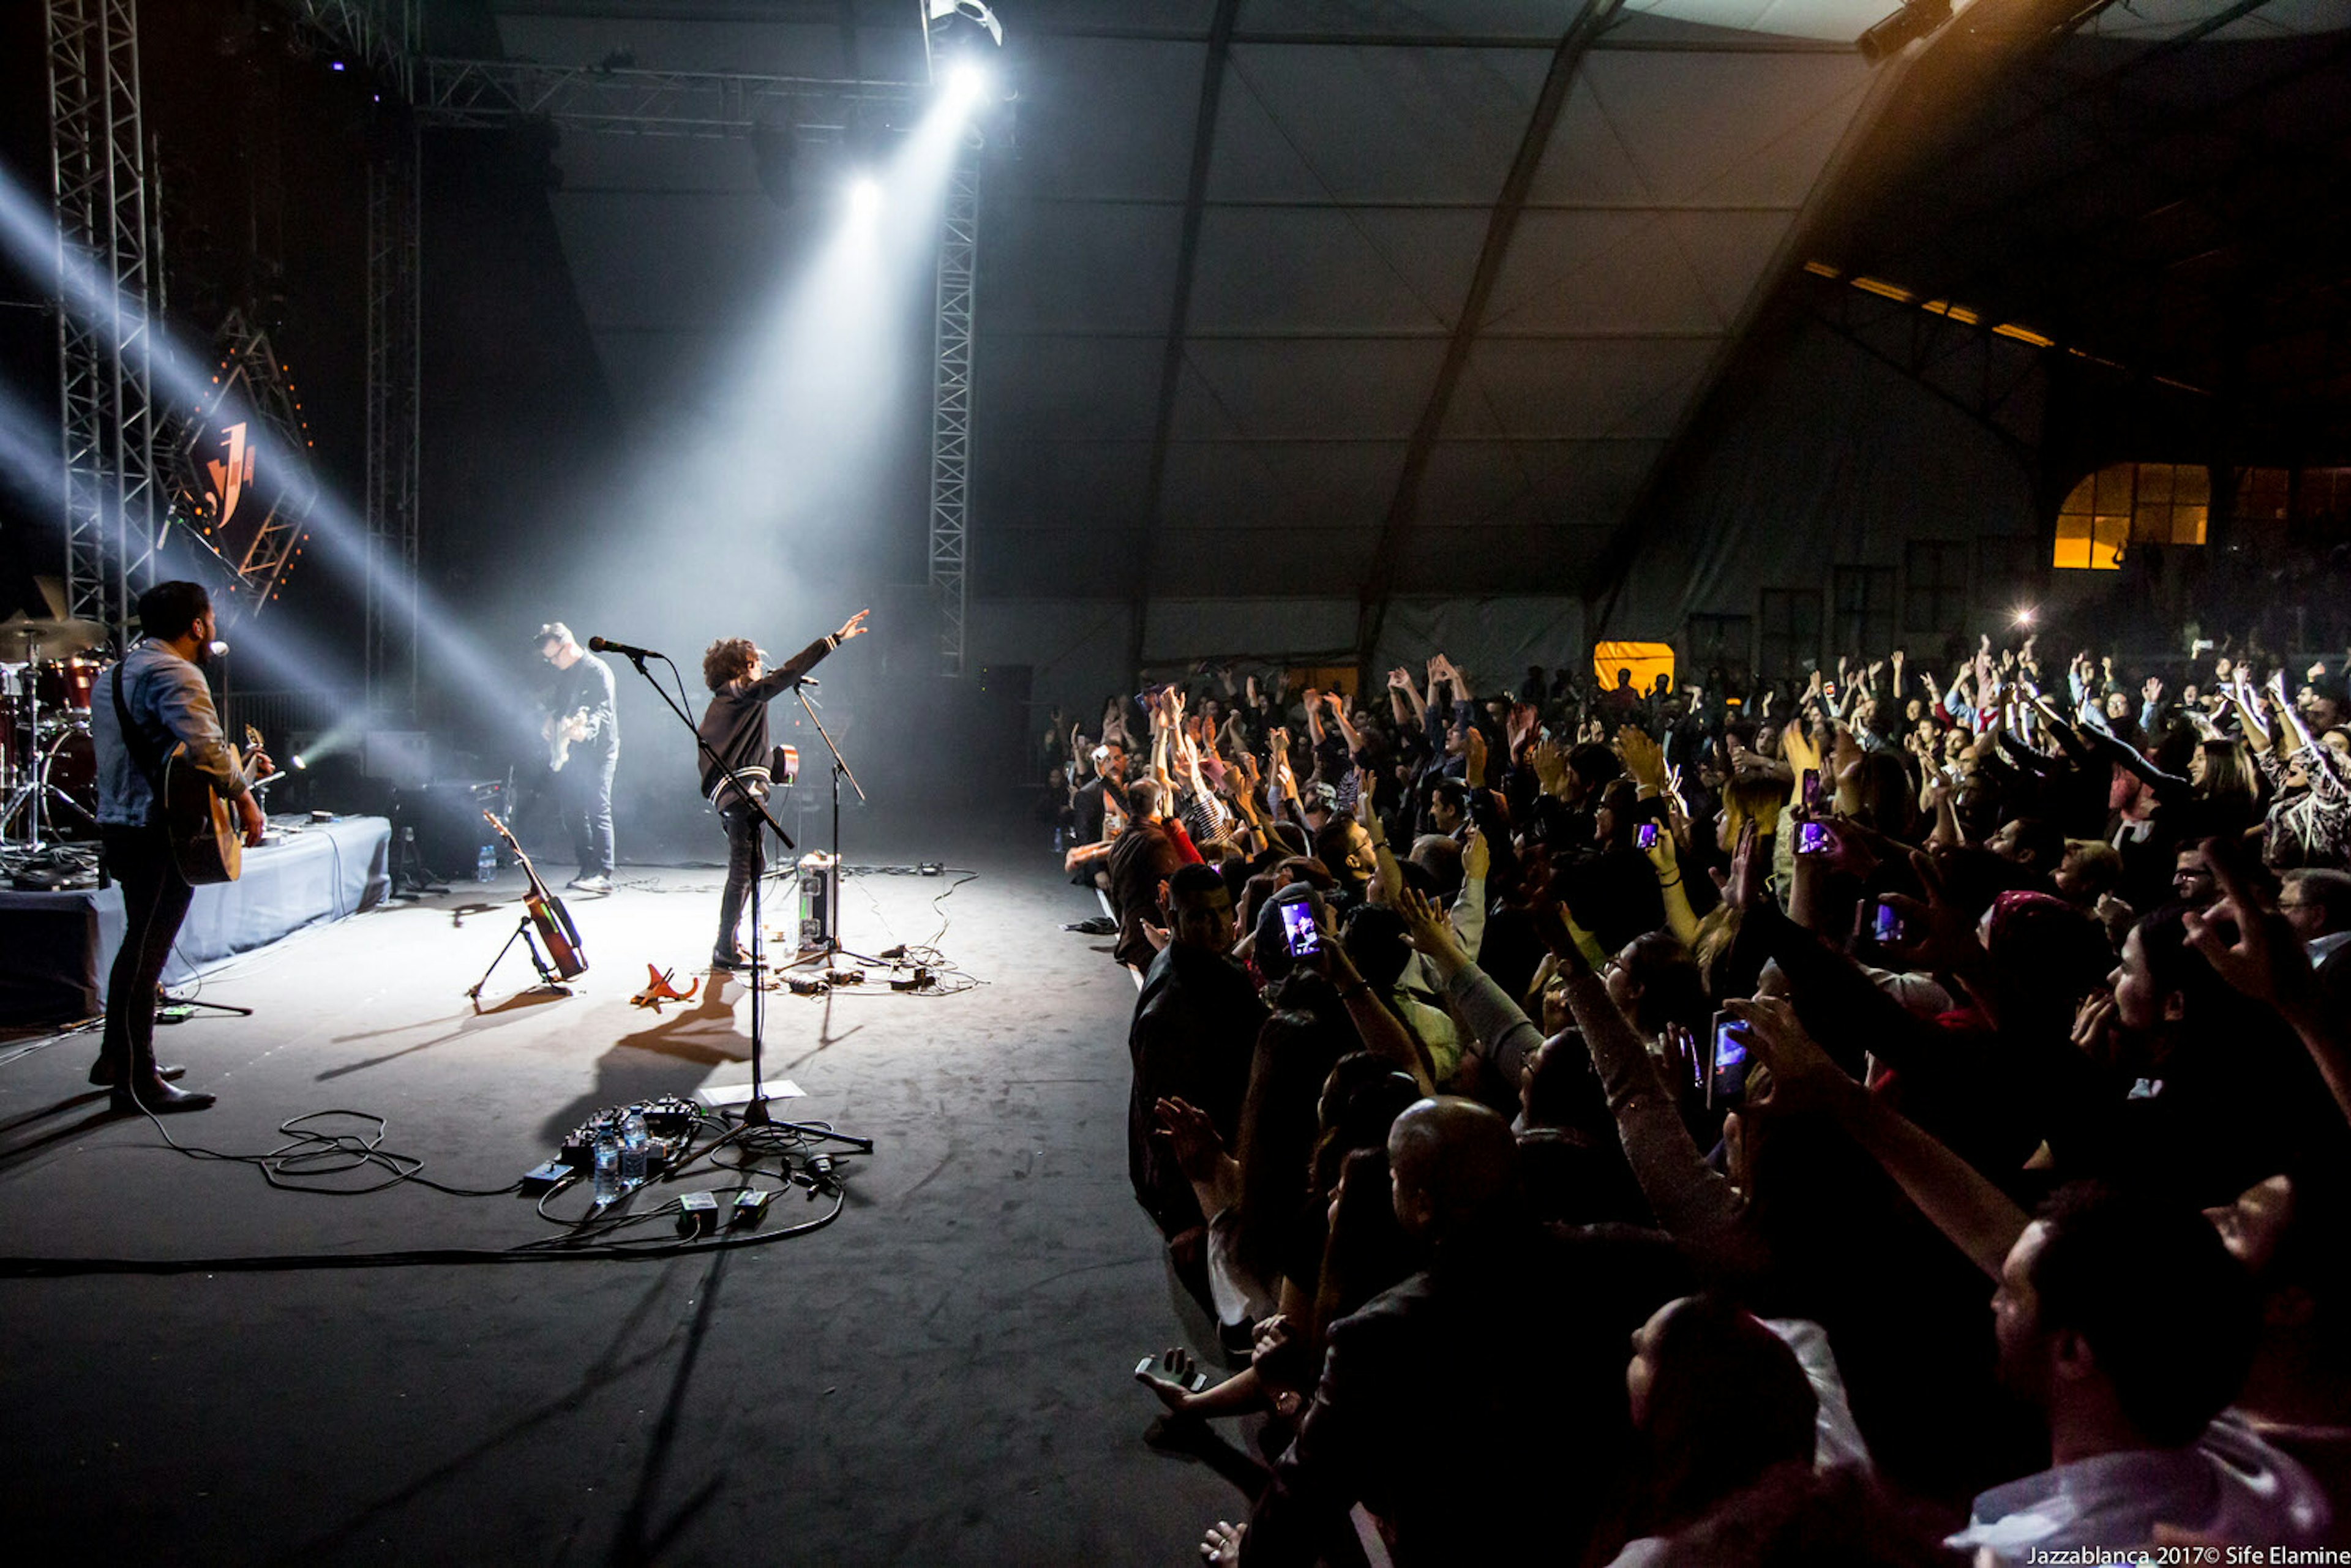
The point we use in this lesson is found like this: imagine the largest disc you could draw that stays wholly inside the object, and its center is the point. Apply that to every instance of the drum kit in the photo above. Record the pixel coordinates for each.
(49, 767)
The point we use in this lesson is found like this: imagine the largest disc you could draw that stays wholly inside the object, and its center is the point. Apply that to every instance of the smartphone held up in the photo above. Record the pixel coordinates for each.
(1726, 1077)
(1300, 934)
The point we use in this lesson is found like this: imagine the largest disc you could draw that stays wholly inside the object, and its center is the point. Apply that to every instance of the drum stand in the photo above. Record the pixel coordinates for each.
(34, 790)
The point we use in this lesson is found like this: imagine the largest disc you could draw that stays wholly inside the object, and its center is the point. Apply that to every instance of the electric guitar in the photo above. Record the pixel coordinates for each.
(556, 932)
(207, 844)
(561, 730)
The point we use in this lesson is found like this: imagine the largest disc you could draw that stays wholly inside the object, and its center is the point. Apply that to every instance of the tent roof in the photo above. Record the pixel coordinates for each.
(1321, 419)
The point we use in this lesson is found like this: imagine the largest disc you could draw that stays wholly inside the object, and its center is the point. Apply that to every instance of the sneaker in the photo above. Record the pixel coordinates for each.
(597, 883)
(729, 962)
(1099, 926)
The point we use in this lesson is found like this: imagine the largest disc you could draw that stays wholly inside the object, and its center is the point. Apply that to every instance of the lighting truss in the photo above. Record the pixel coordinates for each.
(381, 34)
(951, 405)
(394, 311)
(480, 94)
(97, 166)
(212, 461)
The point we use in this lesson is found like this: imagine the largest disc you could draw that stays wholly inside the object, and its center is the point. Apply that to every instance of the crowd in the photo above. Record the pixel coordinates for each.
(1590, 1125)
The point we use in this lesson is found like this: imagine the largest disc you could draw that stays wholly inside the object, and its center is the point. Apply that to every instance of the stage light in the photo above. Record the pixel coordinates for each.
(299, 762)
(968, 80)
(864, 197)
(2024, 616)
(954, 21)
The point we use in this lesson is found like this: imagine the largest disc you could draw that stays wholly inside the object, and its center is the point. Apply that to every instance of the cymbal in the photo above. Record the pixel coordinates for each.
(23, 640)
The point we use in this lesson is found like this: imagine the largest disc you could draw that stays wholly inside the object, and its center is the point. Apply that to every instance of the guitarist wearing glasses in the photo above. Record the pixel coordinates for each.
(154, 700)
(583, 745)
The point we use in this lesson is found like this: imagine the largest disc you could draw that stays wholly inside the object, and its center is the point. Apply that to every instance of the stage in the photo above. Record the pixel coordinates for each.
(57, 947)
(941, 1375)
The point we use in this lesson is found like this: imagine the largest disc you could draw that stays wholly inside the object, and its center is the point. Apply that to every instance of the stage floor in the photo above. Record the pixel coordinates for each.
(940, 1377)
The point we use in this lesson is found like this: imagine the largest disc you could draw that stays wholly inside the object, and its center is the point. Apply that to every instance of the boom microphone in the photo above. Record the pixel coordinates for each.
(605, 645)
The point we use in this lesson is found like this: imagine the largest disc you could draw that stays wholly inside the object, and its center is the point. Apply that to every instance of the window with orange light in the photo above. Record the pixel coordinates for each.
(2125, 504)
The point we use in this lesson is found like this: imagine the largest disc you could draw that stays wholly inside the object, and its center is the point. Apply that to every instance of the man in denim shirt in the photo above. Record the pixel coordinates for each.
(160, 686)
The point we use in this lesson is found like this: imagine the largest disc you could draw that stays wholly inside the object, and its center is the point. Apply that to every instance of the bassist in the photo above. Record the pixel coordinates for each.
(155, 697)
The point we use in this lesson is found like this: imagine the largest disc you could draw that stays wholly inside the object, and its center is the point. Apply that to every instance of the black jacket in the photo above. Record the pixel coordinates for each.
(735, 725)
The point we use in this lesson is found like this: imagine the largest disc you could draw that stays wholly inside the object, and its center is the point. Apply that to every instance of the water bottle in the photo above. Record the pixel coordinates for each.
(634, 1143)
(608, 1166)
(485, 868)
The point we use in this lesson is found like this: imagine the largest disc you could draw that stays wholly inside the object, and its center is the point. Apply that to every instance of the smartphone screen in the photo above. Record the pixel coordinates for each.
(1647, 836)
(1299, 932)
(1812, 839)
(1811, 788)
(1885, 923)
(1727, 1080)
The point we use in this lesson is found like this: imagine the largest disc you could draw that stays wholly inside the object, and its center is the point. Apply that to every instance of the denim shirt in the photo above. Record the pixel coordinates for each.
(169, 703)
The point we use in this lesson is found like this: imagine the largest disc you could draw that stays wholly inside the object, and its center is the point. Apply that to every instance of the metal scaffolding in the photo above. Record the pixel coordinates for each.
(382, 35)
(951, 406)
(97, 166)
(394, 306)
(484, 94)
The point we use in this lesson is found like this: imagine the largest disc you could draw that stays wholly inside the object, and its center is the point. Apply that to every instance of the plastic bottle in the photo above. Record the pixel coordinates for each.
(486, 868)
(633, 1144)
(608, 1166)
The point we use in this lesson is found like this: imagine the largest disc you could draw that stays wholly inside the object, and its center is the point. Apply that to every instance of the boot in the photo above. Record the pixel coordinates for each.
(101, 1073)
(149, 1092)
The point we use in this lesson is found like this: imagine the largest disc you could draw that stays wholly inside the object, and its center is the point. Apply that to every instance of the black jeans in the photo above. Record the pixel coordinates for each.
(155, 899)
(583, 798)
(746, 862)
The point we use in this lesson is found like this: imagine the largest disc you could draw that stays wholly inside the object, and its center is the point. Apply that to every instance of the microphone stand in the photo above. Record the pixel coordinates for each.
(832, 947)
(754, 1113)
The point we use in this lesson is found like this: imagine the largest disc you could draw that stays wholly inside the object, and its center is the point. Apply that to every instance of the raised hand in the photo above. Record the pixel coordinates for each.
(1803, 1076)
(1643, 758)
(2252, 950)
(1550, 765)
(2093, 1024)
(1524, 720)
(1191, 1135)
(1477, 859)
(1424, 926)
(2153, 690)
(1743, 888)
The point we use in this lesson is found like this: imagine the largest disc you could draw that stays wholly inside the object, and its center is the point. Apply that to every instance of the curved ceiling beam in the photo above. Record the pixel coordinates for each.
(1179, 314)
(1592, 18)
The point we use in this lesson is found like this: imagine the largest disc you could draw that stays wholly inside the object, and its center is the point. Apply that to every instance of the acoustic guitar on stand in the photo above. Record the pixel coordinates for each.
(548, 916)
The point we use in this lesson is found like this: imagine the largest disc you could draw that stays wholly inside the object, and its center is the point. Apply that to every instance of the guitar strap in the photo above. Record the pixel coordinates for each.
(142, 749)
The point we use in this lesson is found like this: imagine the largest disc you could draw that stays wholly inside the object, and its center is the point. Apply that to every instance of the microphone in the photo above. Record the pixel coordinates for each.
(606, 645)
